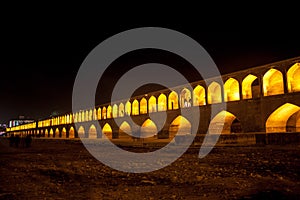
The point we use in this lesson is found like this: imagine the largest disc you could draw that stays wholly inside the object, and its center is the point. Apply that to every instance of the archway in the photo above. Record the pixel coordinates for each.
(248, 87)
(87, 115)
(224, 122)
(92, 132)
(135, 107)
(109, 112)
(128, 108)
(273, 82)
(162, 102)
(185, 98)
(51, 133)
(152, 104)
(143, 106)
(148, 129)
(214, 94)
(104, 113)
(199, 96)
(121, 110)
(107, 131)
(46, 133)
(90, 115)
(278, 120)
(56, 133)
(125, 131)
(293, 78)
(99, 113)
(231, 90)
(64, 133)
(81, 132)
(173, 101)
(179, 126)
(71, 133)
(115, 111)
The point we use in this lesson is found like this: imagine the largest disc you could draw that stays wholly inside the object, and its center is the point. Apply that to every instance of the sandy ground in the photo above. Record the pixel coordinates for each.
(58, 169)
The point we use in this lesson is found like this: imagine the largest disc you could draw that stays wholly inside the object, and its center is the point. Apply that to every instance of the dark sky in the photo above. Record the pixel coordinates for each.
(39, 63)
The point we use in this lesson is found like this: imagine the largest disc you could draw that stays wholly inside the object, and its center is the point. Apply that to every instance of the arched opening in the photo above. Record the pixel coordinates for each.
(278, 120)
(121, 110)
(293, 78)
(143, 106)
(231, 90)
(51, 133)
(162, 102)
(107, 131)
(135, 107)
(91, 115)
(46, 133)
(82, 116)
(179, 126)
(214, 94)
(224, 122)
(95, 114)
(67, 119)
(249, 88)
(71, 133)
(115, 111)
(199, 96)
(99, 113)
(76, 118)
(185, 98)
(128, 108)
(92, 132)
(87, 115)
(81, 132)
(273, 82)
(152, 104)
(56, 133)
(148, 129)
(109, 112)
(64, 133)
(173, 101)
(104, 113)
(125, 131)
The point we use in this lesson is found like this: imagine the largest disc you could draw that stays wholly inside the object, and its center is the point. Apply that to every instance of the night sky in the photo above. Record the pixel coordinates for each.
(39, 63)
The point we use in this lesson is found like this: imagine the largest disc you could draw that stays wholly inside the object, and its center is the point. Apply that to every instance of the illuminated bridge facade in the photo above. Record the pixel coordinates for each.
(260, 99)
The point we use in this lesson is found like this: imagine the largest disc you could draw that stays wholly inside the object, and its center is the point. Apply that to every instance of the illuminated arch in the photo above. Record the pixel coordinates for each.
(109, 112)
(162, 102)
(173, 101)
(82, 116)
(107, 131)
(148, 129)
(128, 108)
(46, 133)
(51, 133)
(152, 104)
(95, 114)
(115, 111)
(125, 131)
(224, 122)
(214, 94)
(87, 115)
(185, 98)
(81, 132)
(90, 118)
(143, 106)
(99, 113)
(121, 110)
(293, 78)
(179, 126)
(76, 118)
(135, 107)
(199, 96)
(79, 117)
(273, 82)
(277, 121)
(64, 133)
(104, 113)
(67, 119)
(247, 87)
(56, 133)
(92, 132)
(231, 90)
(72, 132)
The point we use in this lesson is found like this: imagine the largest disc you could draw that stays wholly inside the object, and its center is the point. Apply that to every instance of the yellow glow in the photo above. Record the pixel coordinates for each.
(82, 116)
(273, 83)
(56, 132)
(214, 94)
(148, 129)
(231, 90)
(71, 133)
(128, 108)
(162, 102)
(143, 106)
(90, 115)
(199, 96)
(86, 115)
(293, 78)
(125, 130)
(109, 112)
(92, 132)
(185, 98)
(221, 123)
(107, 131)
(79, 117)
(104, 113)
(179, 126)
(51, 133)
(81, 132)
(173, 101)
(152, 104)
(64, 133)
(99, 113)
(247, 86)
(95, 114)
(277, 121)
(135, 107)
(121, 110)
(115, 111)
(46, 133)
